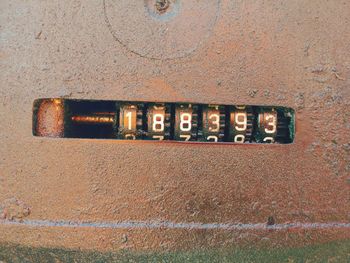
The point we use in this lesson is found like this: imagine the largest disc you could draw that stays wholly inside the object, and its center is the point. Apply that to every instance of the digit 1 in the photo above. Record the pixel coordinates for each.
(130, 121)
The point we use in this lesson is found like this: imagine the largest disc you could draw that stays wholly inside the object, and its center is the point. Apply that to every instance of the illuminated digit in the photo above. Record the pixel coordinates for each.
(186, 136)
(130, 137)
(158, 122)
(159, 137)
(269, 139)
(241, 119)
(185, 122)
(216, 122)
(239, 138)
(212, 137)
(129, 116)
(240, 107)
(271, 123)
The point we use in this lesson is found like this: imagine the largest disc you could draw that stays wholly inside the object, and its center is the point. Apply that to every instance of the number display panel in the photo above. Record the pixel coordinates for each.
(183, 122)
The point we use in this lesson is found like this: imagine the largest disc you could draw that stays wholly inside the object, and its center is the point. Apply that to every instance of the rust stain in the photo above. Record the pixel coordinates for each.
(50, 118)
(13, 209)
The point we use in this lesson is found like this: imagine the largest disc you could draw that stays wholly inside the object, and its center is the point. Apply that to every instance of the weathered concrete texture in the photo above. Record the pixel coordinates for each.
(288, 53)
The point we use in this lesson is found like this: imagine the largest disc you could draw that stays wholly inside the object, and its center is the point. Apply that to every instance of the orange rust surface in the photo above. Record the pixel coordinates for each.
(49, 119)
(288, 53)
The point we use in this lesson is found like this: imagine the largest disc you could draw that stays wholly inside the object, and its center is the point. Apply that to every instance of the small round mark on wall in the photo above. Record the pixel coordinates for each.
(162, 10)
(162, 5)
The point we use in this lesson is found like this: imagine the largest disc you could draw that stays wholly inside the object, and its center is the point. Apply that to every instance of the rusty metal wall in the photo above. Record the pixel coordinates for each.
(108, 195)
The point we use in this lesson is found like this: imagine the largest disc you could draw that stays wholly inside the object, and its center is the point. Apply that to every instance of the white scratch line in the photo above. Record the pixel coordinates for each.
(174, 225)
